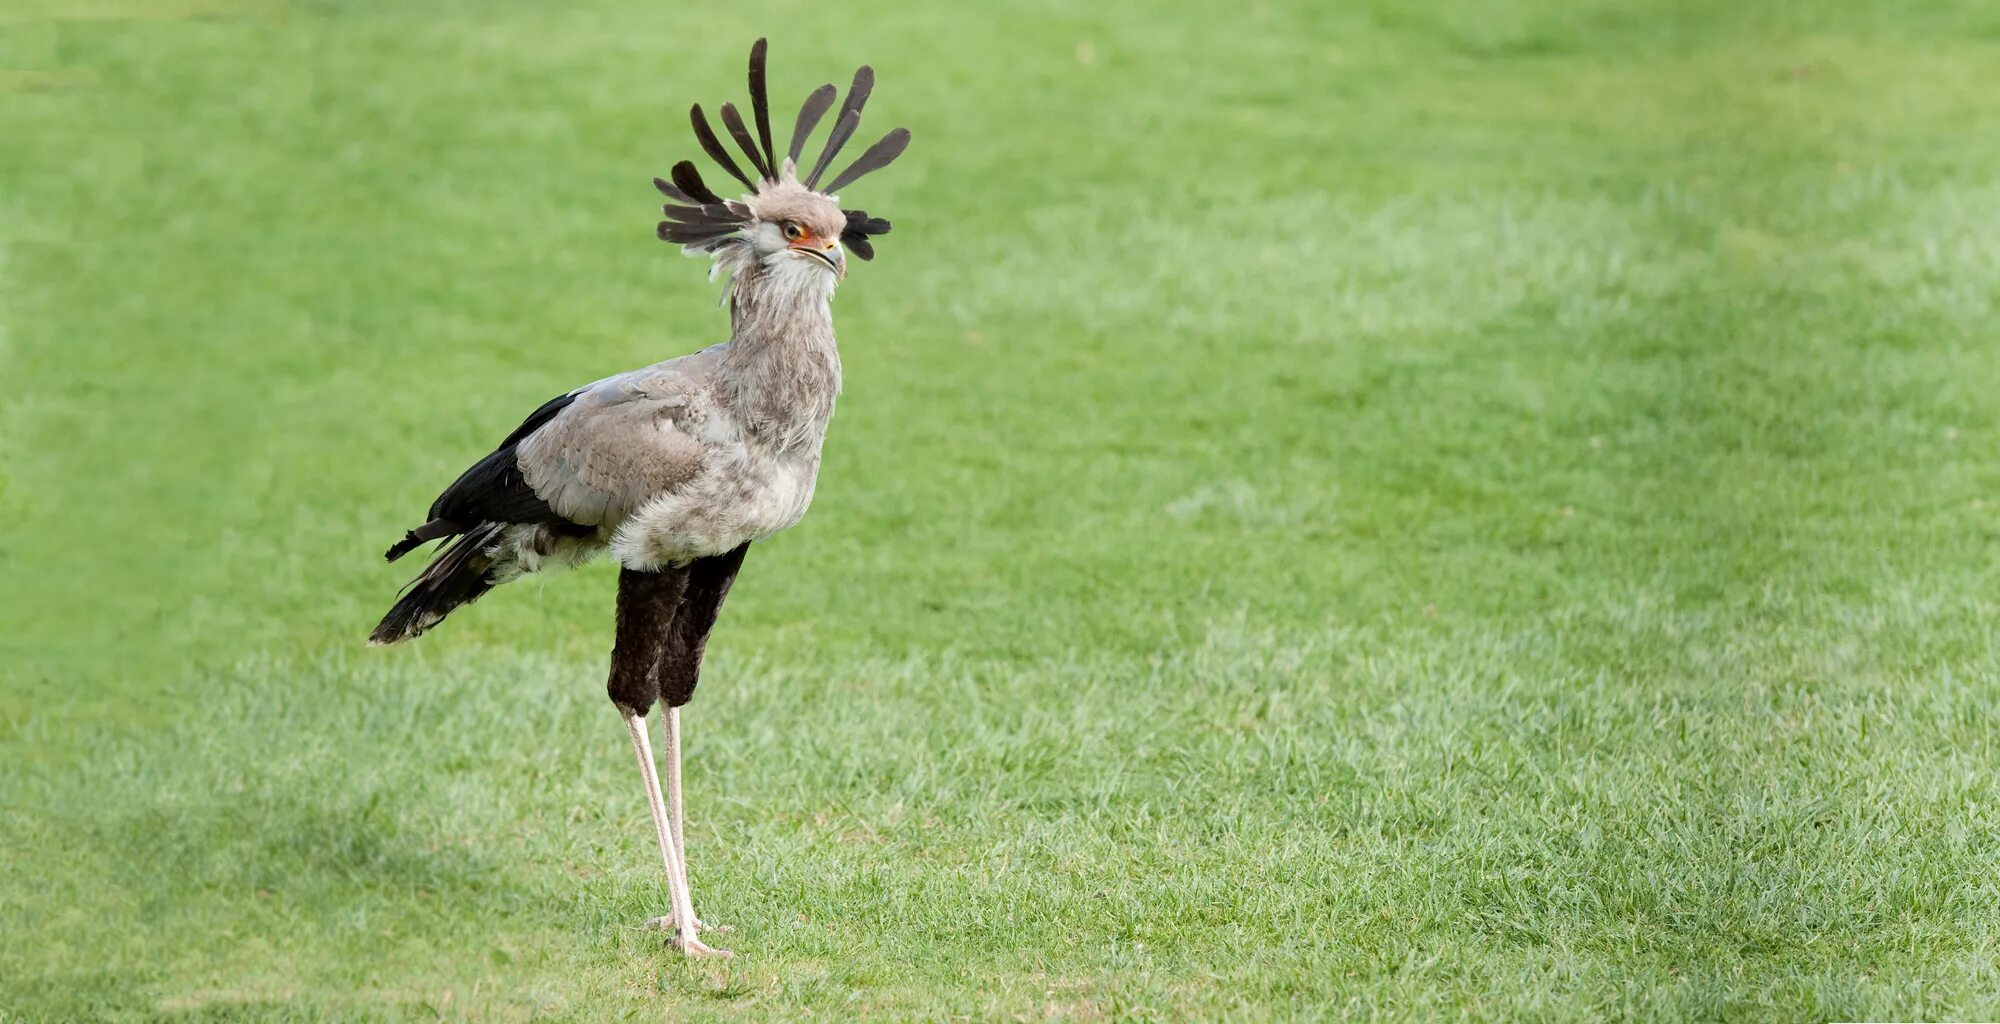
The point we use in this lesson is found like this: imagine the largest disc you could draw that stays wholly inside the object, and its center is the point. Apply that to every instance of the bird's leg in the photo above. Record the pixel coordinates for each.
(670, 741)
(677, 892)
(678, 670)
(646, 605)
(670, 723)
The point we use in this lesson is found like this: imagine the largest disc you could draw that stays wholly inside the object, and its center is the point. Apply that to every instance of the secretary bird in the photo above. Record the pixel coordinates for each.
(676, 468)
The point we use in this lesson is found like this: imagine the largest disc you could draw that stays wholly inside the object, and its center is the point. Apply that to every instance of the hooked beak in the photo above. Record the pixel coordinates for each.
(830, 254)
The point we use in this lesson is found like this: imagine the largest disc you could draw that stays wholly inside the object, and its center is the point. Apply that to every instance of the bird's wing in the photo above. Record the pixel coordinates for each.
(617, 444)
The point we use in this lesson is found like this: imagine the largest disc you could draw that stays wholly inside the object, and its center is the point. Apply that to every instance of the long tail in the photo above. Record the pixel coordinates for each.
(457, 576)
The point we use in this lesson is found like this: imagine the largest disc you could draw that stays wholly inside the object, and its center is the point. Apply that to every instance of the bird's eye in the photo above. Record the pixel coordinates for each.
(793, 232)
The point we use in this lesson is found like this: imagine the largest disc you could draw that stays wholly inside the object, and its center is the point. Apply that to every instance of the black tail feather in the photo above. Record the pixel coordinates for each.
(457, 576)
(420, 536)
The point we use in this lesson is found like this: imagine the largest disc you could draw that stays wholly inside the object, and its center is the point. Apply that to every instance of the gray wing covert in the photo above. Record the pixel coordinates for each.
(622, 442)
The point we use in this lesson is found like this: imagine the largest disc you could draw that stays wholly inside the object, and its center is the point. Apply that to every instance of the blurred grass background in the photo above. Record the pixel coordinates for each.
(1357, 509)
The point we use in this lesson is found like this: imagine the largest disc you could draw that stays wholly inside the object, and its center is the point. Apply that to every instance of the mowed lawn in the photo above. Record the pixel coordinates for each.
(1346, 510)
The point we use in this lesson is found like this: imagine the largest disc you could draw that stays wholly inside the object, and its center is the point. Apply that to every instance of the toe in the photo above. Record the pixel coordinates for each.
(665, 923)
(694, 947)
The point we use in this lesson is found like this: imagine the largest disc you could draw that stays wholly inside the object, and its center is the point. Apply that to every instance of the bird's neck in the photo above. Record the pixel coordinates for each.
(781, 349)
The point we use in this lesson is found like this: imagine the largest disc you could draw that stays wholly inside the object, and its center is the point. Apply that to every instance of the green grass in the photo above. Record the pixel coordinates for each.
(1339, 510)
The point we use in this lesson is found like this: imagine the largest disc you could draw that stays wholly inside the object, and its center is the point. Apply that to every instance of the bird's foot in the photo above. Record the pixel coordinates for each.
(665, 923)
(694, 947)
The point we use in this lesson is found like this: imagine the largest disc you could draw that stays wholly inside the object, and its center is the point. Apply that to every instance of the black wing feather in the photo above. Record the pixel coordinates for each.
(494, 490)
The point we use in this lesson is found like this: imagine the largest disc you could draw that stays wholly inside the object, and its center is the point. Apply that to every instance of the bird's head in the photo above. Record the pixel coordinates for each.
(792, 222)
(789, 223)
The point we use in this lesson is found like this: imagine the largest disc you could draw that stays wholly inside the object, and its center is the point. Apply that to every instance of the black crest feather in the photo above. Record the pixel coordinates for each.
(699, 218)
(859, 227)
(689, 181)
(732, 119)
(703, 216)
(809, 115)
(671, 192)
(713, 146)
(849, 119)
(843, 130)
(878, 156)
(760, 105)
(859, 90)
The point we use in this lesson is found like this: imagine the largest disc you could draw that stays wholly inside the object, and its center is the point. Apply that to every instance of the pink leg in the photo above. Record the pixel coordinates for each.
(670, 742)
(677, 889)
